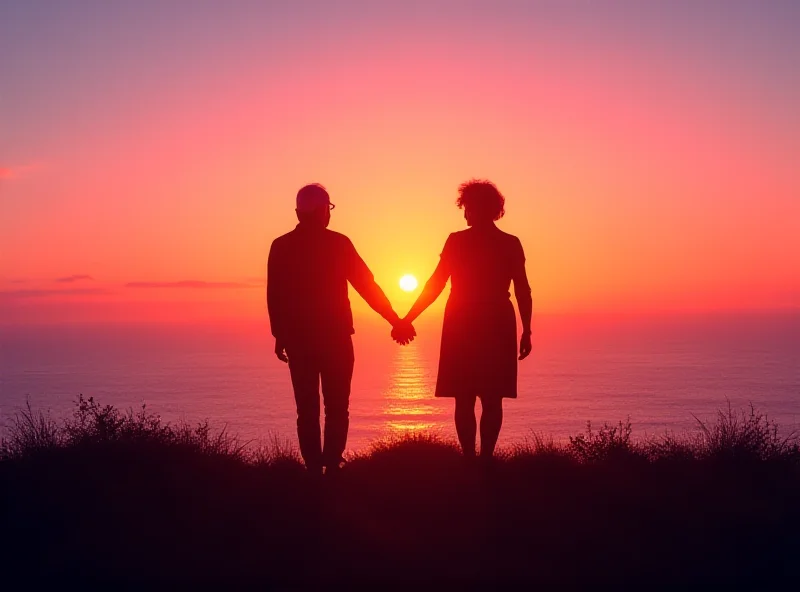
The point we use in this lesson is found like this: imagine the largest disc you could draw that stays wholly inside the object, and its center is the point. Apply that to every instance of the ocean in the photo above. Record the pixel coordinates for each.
(663, 372)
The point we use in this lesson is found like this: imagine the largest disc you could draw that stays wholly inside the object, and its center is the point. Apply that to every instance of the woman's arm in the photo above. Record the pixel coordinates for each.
(433, 287)
(522, 291)
(524, 301)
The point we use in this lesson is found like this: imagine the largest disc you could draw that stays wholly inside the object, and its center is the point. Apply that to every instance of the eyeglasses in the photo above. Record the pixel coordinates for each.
(331, 206)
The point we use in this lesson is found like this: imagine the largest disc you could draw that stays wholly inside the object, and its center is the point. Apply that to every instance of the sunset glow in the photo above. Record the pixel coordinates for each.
(150, 153)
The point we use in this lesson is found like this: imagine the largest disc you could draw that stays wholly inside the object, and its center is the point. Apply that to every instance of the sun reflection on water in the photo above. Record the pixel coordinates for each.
(409, 404)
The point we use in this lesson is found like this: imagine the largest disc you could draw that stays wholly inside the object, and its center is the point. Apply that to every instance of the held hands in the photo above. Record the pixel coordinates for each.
(525, 345)
(403, 332)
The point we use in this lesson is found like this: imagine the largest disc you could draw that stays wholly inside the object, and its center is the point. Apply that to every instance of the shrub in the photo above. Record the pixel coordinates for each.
(745, 435)
(409, 445)
(609, 442)
(275, 452)
(536, 444)
(92, 423)
(673, 447)
(30, 432)
(94, 426)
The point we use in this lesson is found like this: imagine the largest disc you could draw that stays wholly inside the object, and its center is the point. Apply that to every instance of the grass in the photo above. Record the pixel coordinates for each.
(127, 497)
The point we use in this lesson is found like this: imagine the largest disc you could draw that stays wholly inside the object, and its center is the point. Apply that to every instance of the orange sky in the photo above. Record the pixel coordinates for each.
(642, 172)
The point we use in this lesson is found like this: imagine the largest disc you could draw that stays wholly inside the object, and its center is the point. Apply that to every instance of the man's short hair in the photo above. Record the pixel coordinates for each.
(312, 197)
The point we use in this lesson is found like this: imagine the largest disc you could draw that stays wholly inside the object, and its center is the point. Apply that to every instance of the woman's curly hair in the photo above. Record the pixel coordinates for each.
(482, 197)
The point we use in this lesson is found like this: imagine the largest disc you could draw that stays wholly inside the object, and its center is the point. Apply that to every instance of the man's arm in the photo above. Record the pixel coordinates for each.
(275, 302)
(361, 278)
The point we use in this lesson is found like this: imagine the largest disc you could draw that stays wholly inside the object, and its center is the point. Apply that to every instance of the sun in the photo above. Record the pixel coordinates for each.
(408, 283)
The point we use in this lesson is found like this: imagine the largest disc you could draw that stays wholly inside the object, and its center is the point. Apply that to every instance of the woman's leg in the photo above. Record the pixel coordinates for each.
(465, 424)
(491, 421)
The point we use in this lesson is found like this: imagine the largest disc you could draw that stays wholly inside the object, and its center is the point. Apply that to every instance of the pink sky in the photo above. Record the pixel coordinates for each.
(147, 160)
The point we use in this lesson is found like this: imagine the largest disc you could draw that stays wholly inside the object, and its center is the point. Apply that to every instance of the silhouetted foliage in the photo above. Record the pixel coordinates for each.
(29, 433)
(127, 497)
(95, 426)
(607, 443)
(746, 435)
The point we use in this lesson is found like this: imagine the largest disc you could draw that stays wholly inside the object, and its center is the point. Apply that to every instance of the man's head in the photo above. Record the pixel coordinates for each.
(314, 205)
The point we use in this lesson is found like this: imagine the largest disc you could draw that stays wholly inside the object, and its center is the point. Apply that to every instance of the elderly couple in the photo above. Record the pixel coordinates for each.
(312, 323)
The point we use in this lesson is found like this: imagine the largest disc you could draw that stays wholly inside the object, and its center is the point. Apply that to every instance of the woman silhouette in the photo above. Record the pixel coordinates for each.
(478, 356)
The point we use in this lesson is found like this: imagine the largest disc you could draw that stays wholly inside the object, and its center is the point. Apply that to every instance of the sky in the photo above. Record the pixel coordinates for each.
(151, 151)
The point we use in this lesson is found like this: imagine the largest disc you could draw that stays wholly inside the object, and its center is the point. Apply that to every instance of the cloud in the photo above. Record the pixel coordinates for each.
(15, 294)
(193, 284)
(73, 278)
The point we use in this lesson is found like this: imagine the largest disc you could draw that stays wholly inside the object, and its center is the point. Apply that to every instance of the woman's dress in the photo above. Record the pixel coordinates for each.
(478, 353)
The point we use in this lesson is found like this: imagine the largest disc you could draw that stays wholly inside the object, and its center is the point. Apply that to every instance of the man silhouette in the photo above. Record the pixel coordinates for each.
(310, 317)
